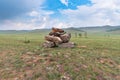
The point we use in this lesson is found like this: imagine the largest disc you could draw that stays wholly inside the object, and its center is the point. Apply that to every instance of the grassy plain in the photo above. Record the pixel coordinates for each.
(96, 57)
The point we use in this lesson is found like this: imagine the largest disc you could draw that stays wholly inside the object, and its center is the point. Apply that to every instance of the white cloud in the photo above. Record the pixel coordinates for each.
(102, 12)
(11, 25)
(34, 13)
(37, 20)
(65, 2)
(42, 19)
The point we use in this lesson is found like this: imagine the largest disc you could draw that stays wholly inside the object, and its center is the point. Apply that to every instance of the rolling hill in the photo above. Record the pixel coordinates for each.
(95, 29)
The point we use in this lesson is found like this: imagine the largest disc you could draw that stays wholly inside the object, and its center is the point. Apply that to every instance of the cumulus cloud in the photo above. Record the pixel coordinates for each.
(37, 20)
(13, 8)
(44, 22)
(101, 12)
(11, 25)
(65, 2)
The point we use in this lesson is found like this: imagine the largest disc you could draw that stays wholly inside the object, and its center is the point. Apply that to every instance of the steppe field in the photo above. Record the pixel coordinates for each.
(95, 57)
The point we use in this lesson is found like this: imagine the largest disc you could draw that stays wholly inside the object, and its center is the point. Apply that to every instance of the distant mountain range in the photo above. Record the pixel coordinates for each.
(101, 28)
(95, 29)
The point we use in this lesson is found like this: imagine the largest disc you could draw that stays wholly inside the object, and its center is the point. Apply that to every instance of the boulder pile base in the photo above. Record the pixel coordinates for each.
(58, 38)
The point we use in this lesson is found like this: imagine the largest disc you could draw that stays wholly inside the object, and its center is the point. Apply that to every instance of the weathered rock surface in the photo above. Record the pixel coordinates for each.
(65, 37)
(54, 39)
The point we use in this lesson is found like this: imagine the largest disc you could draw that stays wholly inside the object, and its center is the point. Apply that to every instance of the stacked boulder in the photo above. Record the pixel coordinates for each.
(58, 38)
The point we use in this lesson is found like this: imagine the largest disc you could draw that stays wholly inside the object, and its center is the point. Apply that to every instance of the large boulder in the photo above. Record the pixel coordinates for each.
(57, 30)
(56, 34)
(54, 39)
(65, 37)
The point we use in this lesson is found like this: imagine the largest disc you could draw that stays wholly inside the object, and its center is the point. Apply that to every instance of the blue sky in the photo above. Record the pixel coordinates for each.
(60, 4)
(37, 14)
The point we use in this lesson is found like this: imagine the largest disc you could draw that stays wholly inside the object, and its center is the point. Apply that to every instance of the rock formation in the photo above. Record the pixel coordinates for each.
(58, 38)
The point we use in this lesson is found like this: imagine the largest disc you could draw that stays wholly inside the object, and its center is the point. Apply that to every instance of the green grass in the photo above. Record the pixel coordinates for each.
(99, 59)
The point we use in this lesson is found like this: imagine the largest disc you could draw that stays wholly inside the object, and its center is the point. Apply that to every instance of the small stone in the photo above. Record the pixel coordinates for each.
(48, 44)
(67, 45)
(82, 46)
(66, 77)
(30, 53)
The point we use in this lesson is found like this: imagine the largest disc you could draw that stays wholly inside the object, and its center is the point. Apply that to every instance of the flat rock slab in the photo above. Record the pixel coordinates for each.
(67, 45)
(48, 44)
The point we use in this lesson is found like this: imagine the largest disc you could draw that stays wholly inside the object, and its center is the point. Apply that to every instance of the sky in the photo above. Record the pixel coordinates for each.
(38, 14)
